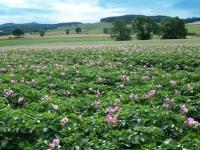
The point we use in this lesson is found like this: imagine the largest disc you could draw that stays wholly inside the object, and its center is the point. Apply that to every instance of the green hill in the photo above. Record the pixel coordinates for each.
(7, 28)
(158, 18)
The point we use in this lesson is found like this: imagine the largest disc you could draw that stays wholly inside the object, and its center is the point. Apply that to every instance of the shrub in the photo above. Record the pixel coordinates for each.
(67, 31)
(120, 31)
(173, 28)
(42, 33)
(18, 33)
(78, 30)
(144, 27)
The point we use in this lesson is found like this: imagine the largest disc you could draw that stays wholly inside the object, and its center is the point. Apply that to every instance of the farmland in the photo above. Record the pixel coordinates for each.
(99, 75)
(92, 34)
(194, 28)
(88, 91)
(106, 95)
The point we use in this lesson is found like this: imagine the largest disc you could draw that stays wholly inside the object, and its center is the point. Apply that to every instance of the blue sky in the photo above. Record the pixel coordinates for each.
(54, 11)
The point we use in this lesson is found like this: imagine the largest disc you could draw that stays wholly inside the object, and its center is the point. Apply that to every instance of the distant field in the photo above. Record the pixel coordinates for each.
(94, 28)
(62, 42)
(97, 28)
(54, 39)
(92, 34)
(193, 28)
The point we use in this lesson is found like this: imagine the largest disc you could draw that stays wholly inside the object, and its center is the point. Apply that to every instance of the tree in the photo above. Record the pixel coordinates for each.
(144, 28)
(67, 31)
(78, 30)
(105, 30)
(42, 33)
(18, 33)
(120, 31)
(173, 28)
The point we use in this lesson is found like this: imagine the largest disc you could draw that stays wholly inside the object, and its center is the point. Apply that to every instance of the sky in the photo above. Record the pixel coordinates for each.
(88, 11)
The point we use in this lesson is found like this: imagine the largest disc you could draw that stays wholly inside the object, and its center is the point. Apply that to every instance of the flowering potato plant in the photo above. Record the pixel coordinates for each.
(125, 97)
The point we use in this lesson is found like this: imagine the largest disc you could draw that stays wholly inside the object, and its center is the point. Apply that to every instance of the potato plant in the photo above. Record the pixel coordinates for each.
(117, 97)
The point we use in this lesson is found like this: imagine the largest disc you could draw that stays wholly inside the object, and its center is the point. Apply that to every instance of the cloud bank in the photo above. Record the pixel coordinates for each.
(54, 11)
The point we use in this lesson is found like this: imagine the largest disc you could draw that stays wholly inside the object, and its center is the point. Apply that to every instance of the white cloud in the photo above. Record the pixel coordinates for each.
(88, 12)
(52, 11)
(17, 3)
(59, 11)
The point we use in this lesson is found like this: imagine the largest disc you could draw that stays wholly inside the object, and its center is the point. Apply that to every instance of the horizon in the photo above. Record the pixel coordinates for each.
(88, 22)
(90, 11)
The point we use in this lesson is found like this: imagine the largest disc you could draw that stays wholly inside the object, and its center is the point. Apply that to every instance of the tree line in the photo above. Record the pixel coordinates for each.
(158, 18)
(19, 33)
(146, 27)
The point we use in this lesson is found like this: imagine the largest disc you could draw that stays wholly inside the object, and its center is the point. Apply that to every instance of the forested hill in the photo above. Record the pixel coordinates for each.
(129, 18)
(32, 27)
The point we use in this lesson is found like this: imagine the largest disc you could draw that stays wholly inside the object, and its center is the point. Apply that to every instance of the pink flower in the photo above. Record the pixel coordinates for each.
(64, 120)
(8, 93)
(133, 97)
(98, 93)
(120, 87)
(168, 103)
(46, 98)
(113, 110)
(150, 94)
(184, 109)
(54, 144)
(111, 119)
(67, 93)
(192, 122)
(166, 100)
(177, 92)
(13, 81)
(173, 82)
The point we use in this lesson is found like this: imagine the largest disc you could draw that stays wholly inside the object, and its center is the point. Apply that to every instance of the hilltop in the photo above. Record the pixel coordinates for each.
(7, 28)
(129, 18)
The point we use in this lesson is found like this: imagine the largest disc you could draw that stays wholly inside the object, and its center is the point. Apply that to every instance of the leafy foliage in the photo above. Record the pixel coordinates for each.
(42, 33)
(18, 33)
(107, 30)
(100, 98)
(67, 31)
(78, 30)
(120, 31)
(173, 28)
(144, 27)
